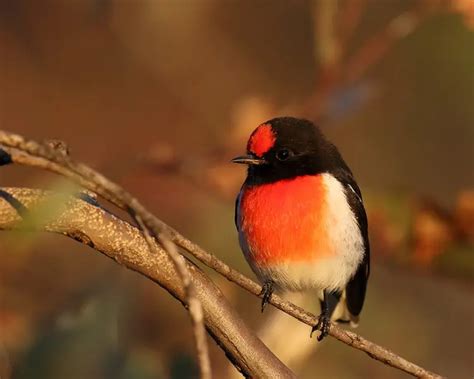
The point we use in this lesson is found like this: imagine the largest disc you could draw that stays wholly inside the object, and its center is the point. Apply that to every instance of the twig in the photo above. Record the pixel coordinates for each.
(88, 223)
(195, 309)
(34, 154)
(352, 339)
(193, 303)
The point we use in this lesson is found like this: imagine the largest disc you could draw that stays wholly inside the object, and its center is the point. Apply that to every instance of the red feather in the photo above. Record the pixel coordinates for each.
(283, 221)
(261, 140)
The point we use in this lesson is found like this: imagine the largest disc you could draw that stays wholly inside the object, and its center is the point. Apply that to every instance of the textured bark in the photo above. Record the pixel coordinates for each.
(92, 225)
(16, 149)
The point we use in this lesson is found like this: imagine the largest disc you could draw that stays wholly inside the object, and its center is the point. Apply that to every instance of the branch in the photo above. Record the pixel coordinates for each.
(194, 305)
(19, 150)
(93, 226)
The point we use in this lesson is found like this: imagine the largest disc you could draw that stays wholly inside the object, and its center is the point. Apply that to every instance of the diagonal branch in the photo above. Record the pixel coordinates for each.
(92, 225)
(19, 150)
(194, 305)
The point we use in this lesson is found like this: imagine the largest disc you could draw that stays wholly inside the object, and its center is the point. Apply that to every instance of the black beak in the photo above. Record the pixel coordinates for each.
(248, 159)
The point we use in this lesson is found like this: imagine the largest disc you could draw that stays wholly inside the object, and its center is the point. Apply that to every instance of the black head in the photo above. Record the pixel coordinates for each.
(287, 147)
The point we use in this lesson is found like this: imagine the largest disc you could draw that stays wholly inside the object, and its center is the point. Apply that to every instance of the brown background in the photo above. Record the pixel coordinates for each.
(159, 95)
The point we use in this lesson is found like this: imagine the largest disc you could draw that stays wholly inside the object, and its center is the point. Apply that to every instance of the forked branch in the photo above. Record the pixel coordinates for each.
(88, 223)
(18, 150)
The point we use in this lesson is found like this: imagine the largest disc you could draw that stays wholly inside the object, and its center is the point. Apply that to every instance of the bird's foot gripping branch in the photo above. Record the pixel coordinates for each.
(148, 252)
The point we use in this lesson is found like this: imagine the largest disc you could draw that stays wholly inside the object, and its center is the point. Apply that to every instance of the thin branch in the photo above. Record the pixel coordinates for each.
(34, 154)
(88, 223)
(195, 307)
(192, 301)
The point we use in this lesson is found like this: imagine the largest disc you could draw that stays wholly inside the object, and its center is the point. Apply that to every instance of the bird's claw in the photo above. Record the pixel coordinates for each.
(323, 325)
(266, 293)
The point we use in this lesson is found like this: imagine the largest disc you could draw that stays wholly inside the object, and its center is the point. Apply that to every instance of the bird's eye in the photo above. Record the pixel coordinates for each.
(283, 154)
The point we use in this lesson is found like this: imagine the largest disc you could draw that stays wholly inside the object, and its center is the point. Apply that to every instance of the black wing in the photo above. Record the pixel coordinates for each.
(237, 209)
(355, 290)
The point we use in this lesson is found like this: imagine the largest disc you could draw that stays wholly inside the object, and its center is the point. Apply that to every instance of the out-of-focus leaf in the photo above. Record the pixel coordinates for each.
(42, 213)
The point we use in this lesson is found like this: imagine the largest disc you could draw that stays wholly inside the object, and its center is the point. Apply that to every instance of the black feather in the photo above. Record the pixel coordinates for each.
(356, 288)
(5, 158)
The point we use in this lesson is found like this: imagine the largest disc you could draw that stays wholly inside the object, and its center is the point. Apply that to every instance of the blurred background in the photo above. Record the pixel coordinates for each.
(159, 95)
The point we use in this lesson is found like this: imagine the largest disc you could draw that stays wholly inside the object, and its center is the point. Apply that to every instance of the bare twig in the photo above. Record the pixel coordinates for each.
(34, 154)
(195, 307)
(92, 225)
(192, 301)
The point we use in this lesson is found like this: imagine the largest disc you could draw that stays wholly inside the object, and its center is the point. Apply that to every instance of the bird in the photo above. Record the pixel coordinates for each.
(301, 221)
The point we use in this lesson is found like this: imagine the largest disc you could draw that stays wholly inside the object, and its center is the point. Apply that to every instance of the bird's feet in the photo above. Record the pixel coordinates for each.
(266, 293)
(323, 325)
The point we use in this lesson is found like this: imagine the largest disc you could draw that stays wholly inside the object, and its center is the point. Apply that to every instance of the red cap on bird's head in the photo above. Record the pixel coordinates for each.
(262, 139)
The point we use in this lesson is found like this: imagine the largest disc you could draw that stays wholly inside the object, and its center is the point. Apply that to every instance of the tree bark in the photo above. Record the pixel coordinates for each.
(90, 224)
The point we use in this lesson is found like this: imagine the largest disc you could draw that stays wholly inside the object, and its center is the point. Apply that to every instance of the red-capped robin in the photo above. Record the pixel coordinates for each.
(301, 220)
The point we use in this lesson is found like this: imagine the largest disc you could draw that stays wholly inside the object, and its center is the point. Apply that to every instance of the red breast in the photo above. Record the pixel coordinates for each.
(285, 221)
